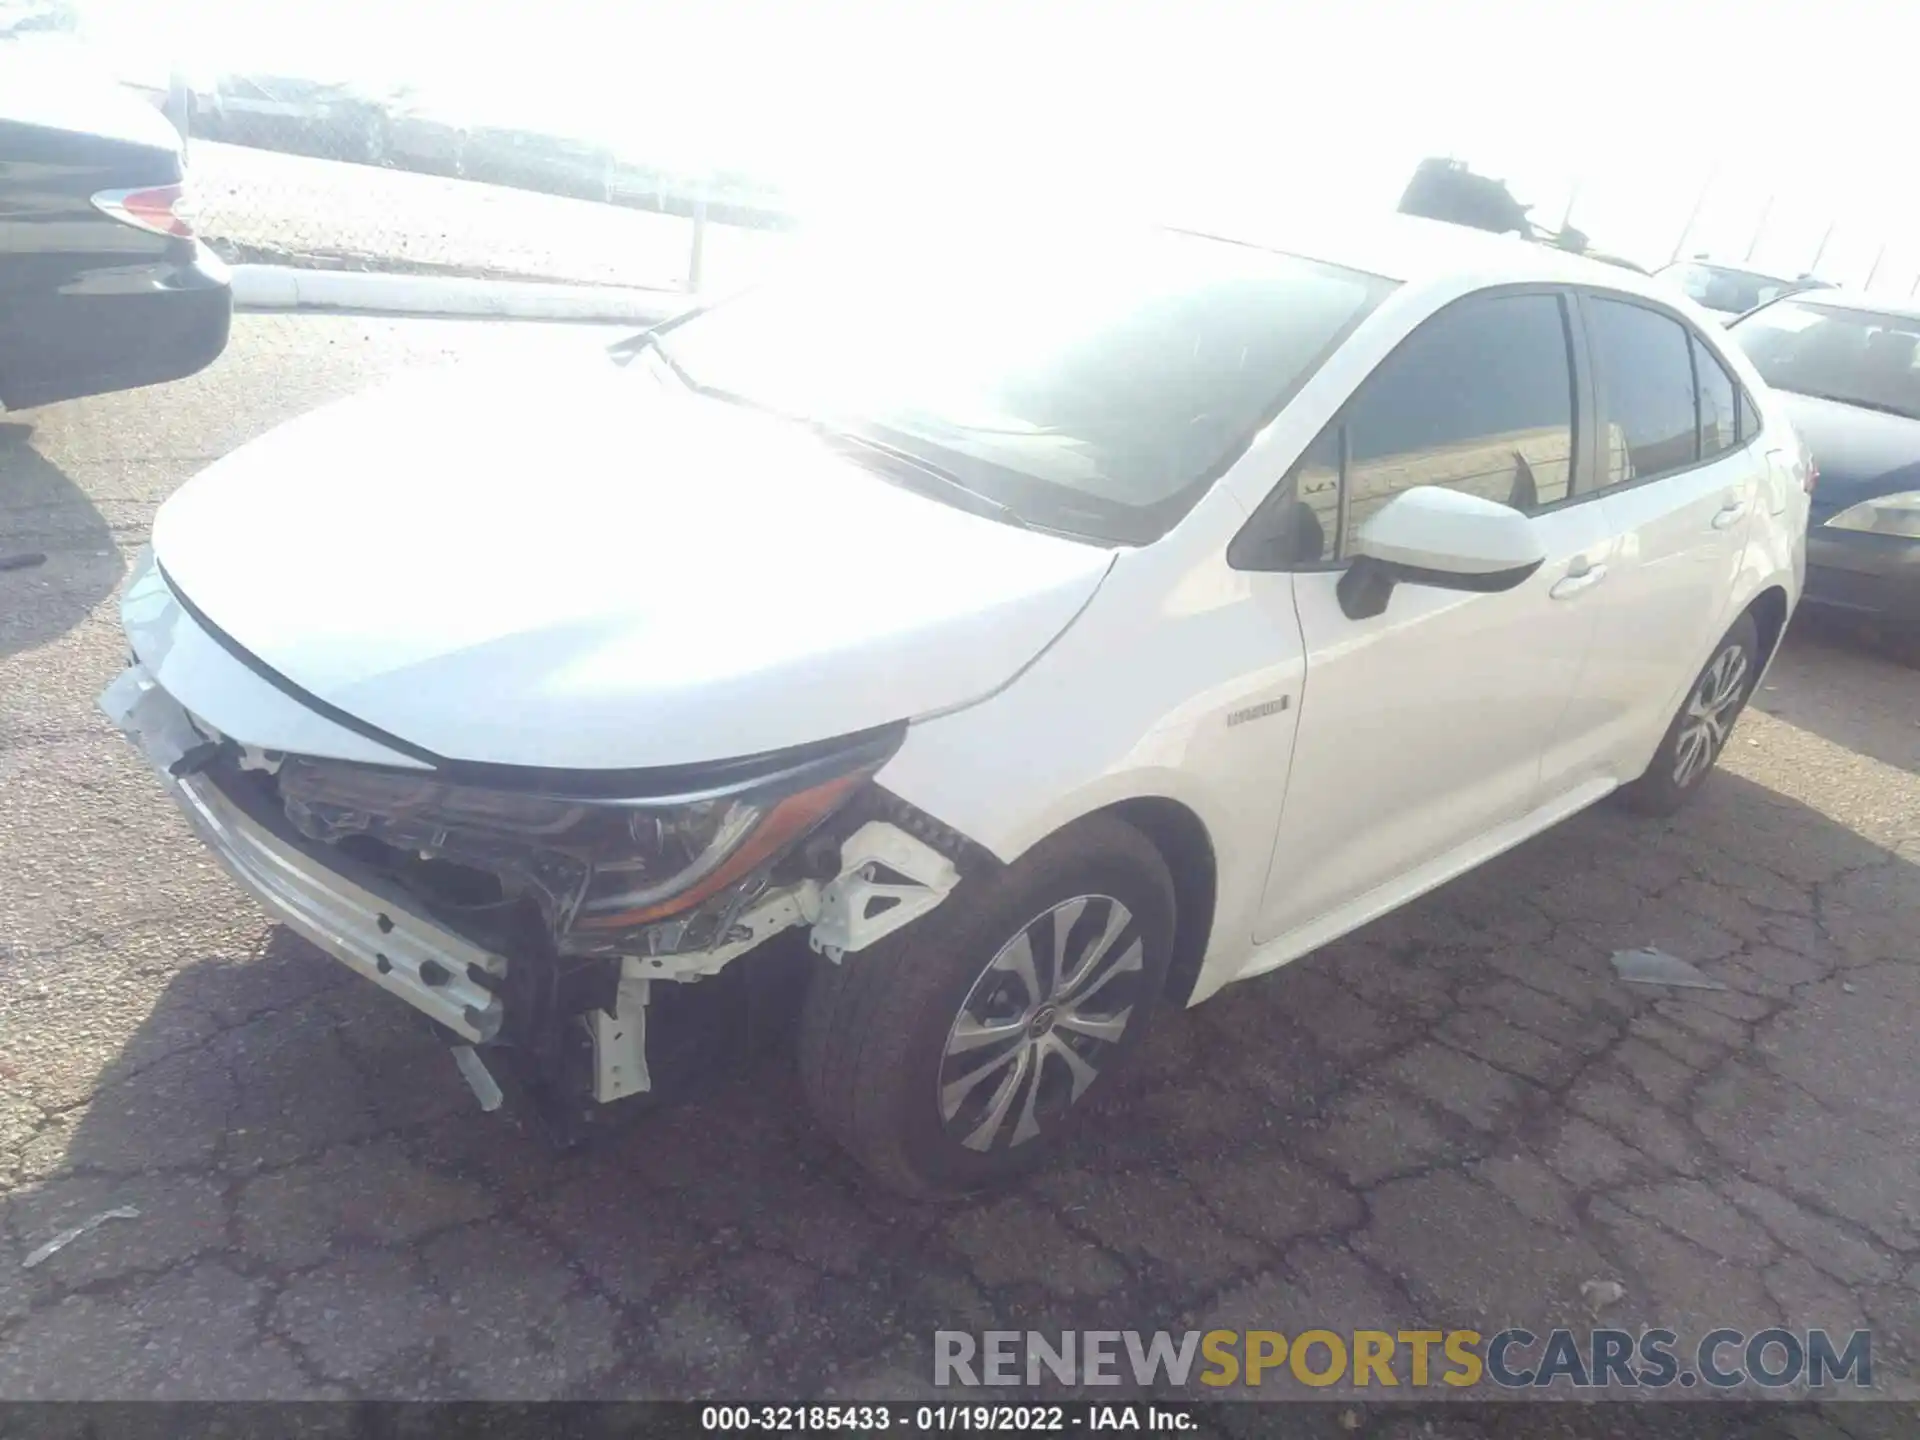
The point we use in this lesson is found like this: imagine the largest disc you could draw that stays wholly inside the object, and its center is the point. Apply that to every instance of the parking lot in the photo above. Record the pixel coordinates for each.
(1457, 1117)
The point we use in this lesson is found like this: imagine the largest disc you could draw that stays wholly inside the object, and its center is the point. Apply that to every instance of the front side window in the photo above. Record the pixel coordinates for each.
(1648, 420)
(1094, 388)
(1857, 357)
(1479, 399)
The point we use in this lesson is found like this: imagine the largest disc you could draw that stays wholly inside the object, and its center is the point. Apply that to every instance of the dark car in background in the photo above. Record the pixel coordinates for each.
(327, 120)
(1846, 367)
(1733, 289)
(102, 283)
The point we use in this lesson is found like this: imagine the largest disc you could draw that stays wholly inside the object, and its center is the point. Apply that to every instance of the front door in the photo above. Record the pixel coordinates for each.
(1423, 728)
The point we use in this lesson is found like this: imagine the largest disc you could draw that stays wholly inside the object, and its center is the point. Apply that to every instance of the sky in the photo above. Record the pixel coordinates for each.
(848, 103)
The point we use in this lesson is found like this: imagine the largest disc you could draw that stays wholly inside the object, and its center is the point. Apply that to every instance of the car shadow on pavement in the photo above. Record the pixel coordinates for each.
(1457, 1116)
(1854, 689)
(44, 514)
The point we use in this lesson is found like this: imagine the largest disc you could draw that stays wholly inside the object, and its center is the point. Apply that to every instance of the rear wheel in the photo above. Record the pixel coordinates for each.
(1699, 732)
(958, 1052)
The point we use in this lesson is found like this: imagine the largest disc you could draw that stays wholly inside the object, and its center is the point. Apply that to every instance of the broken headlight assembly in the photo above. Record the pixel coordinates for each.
(620, 874)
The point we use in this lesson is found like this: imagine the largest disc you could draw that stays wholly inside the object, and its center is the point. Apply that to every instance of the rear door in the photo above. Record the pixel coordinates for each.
(1679, 485)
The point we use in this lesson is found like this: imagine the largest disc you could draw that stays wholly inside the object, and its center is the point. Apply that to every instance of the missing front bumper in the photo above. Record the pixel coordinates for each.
(369, 928)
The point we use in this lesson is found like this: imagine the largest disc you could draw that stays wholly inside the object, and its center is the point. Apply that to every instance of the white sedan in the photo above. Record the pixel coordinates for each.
(1044, 635)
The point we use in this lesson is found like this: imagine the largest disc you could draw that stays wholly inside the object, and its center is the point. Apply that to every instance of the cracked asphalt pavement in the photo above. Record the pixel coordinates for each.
(1453, 1118)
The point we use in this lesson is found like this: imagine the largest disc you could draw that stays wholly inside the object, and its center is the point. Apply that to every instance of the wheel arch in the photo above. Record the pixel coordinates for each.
(1182, 839)
(1215, 841)
(1769, 610)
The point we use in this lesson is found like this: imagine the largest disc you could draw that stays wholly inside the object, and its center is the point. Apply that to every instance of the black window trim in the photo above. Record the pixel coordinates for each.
(1583, 453)
(1743, 406)
(1746, 395)
(1696, 343)
(1584, 295)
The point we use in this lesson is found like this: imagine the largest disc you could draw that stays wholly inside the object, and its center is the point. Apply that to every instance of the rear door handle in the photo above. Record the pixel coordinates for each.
(1729, 512)
(1574, 582)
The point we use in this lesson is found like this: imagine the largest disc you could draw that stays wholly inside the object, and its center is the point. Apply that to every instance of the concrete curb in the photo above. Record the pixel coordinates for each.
(285, 287)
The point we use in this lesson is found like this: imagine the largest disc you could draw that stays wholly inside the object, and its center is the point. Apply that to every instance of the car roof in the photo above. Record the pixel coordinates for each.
(1856, 301)
(49, 83)
(1417, 251)
(1732, 267)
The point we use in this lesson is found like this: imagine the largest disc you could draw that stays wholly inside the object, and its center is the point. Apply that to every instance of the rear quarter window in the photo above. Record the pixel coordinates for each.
(1719, 401)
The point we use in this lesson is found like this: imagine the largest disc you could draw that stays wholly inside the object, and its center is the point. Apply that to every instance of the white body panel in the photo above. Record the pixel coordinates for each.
(208, 682)
(1674, 574)
(1133, 702)
(1424, 727)
(1486, 723)
(592, 570)
(688, 581)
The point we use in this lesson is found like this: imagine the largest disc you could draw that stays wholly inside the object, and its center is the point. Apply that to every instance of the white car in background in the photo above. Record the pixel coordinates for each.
(1732, 290)
(1045, 638)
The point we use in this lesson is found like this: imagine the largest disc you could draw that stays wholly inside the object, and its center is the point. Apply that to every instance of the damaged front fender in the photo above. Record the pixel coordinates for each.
(887, 880)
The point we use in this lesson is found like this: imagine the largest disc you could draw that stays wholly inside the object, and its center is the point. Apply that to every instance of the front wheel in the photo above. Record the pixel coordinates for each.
(957, 1053)
(1699, 732)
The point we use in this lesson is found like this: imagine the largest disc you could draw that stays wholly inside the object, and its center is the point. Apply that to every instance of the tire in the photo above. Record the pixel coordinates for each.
(876, 1028)
(1680, 766)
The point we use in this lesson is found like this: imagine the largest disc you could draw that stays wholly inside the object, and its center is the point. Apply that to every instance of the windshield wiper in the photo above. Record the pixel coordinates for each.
(905, 469)
(926, 478)
(624, 350)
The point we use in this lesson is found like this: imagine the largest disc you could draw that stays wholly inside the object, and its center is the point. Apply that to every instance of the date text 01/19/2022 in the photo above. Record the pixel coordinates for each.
(939, 1419)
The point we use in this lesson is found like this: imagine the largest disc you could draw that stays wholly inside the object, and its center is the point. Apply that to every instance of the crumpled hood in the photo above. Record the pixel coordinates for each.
(595, 568)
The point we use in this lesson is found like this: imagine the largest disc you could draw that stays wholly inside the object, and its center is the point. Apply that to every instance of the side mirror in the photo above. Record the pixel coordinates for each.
(1442, 538)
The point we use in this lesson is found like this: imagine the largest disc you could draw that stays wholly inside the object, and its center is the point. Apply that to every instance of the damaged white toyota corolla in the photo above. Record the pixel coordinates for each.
(1041, 643)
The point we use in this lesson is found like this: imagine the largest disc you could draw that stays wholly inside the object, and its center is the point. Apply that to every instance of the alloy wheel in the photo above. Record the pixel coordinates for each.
(1709, 716)
(1040, 1022)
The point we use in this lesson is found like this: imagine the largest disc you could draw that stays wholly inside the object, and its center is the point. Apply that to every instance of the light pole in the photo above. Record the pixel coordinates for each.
(179, 106)
(1822, 248)
(1760, 227)
(697, 254)
(1693, 215)
(1880, 255)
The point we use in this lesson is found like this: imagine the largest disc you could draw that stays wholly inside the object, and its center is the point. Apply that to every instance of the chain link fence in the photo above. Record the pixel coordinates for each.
(371, 174)
(299, 172)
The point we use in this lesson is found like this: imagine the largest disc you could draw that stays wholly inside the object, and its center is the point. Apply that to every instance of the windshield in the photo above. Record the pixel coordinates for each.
(1729, 291)
(1860, 357)
(1096, 389)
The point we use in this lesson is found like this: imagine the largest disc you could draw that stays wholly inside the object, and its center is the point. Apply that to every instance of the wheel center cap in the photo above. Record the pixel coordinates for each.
(1042, 1022)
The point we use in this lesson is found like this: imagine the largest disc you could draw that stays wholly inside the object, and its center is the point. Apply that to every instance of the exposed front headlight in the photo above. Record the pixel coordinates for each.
(1897, 514)
(601, 868)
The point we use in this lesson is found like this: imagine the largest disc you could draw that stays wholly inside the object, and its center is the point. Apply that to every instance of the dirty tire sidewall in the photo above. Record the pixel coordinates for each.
(1656, 793)
(875, 1026)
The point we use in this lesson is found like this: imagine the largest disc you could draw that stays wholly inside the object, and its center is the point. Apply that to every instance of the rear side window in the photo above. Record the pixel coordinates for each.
(1749, 418)
(1645, 371)
(1478, 399)
(1719, 425)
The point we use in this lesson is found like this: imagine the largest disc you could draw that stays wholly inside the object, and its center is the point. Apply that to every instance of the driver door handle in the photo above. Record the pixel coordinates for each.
(1580, 577)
